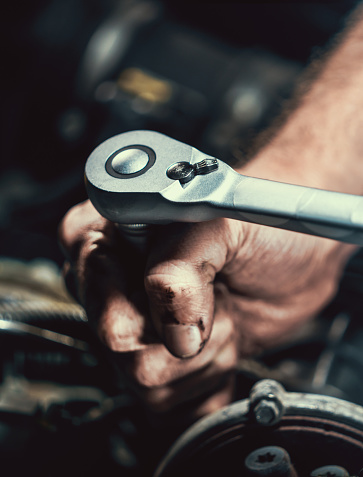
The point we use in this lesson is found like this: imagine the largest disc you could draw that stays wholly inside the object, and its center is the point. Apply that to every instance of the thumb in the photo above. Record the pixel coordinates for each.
(179, 281)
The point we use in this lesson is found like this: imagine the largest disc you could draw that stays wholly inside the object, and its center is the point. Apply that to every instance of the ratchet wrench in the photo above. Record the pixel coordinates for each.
(144, 177)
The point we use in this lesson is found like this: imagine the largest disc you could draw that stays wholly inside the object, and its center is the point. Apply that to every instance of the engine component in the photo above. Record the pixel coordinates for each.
(307, 433)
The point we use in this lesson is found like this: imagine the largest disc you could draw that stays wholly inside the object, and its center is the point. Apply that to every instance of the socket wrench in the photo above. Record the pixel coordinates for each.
(144, 177)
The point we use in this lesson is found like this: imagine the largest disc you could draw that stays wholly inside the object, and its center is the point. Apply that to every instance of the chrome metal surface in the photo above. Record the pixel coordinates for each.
(153, 196)
(129, 161)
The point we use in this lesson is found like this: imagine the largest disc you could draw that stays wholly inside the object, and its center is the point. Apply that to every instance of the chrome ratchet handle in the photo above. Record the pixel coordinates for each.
(144, 177)
(301, 209)
(307, 210)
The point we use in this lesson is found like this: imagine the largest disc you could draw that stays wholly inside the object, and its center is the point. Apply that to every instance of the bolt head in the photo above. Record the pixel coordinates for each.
(269, 461)
(330, 471)
(266, 412)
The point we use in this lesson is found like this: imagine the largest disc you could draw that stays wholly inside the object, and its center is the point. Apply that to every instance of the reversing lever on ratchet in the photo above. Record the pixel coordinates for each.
(144, 177)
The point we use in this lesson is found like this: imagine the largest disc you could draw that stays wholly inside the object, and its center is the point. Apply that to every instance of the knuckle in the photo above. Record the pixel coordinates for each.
(107, 333)
(160, 287)
(150, 370)
(80, 228)
(145, 379)
(120, 328)
(94, 251)
(206, 270)
(70, 230)
(170, 285)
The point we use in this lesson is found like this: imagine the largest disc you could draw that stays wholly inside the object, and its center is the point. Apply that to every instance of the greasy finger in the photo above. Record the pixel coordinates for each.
(164, 382)
(179, 282)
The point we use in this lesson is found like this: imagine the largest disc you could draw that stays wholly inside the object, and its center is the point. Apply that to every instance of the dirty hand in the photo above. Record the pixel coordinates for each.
(205, 293)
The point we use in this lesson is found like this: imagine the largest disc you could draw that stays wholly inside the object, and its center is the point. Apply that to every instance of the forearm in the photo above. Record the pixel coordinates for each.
(321, 143)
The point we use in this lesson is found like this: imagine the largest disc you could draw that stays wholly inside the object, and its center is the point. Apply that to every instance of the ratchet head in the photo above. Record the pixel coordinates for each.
(147, 177)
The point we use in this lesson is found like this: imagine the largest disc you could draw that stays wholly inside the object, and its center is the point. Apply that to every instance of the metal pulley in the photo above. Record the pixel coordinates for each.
(272, 433)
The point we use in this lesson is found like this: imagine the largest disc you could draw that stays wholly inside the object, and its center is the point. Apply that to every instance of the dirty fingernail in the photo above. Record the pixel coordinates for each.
(182, 340)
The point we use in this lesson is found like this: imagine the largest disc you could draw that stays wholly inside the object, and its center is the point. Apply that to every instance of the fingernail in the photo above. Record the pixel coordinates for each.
(182, 340)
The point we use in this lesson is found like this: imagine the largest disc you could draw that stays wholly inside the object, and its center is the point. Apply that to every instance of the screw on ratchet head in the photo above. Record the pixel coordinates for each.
(146, 177)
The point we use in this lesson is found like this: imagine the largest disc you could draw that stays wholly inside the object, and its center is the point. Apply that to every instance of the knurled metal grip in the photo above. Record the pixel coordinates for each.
(144, 177)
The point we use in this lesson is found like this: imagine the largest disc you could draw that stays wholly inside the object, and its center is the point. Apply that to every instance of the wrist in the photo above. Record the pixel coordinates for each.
(320, 145)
